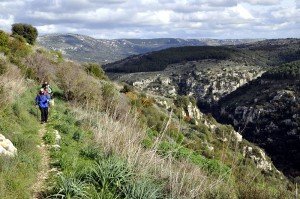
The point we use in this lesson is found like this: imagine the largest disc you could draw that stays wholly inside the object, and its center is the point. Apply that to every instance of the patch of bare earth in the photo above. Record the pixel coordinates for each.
(38, 188)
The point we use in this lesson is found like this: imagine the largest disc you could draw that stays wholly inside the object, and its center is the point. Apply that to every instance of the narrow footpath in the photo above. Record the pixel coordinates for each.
(42, 176)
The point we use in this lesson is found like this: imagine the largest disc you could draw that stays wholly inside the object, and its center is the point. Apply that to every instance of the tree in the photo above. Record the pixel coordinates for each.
(27, 31)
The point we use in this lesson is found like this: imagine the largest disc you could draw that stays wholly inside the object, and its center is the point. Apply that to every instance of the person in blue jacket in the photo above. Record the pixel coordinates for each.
(42, 101)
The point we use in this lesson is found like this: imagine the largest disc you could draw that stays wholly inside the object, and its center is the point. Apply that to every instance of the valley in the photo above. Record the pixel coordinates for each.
(237, 89)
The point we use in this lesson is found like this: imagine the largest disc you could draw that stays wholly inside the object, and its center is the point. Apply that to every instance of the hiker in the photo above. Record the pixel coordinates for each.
(48, 91)
(46, 87)
(42, 101)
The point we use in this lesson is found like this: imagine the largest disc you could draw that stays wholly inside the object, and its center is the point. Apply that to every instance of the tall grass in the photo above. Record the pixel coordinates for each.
(18, 174)
(123, 137)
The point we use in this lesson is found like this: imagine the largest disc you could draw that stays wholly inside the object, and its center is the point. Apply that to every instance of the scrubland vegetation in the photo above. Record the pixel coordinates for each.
(115, 144)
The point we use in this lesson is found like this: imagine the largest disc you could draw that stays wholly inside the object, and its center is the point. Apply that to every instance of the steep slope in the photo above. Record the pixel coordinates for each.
(214, 73)
(122, 145)
(267, 111)
(87, 49)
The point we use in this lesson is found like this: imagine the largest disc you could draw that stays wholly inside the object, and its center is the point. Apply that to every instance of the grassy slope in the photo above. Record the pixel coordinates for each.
(19, 124)
(102, 153)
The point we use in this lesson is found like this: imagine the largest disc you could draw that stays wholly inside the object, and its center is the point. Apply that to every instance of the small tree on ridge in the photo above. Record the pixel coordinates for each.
(27, 31)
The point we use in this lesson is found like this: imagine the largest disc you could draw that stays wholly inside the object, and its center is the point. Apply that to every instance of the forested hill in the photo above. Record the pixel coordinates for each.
(263, 53)
(87, 49)
(159, 60)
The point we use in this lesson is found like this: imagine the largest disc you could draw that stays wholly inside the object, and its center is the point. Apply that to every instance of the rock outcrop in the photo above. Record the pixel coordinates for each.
(6, 147)
(259, 158)
(206, 80)
(267, 113)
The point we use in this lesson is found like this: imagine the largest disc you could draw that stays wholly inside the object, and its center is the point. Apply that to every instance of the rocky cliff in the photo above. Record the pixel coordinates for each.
(206, 80)
(266, 111)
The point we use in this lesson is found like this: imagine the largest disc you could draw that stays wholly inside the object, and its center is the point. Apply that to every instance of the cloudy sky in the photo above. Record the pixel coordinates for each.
(157, 18)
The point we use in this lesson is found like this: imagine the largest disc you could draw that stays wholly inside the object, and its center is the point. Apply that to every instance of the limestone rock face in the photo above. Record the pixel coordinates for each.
(266, 111)
(206, 80)
(6, 147)
(259, 158)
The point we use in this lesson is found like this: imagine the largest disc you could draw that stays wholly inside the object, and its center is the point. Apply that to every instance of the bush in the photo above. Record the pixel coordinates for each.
(127, 88)
(95, 70)
(27, 31)
(18, 48)
(77, 135)
(4, 40)
(3, 66)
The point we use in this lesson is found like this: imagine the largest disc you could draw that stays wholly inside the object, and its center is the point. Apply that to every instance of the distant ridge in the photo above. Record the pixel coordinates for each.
(87, 49)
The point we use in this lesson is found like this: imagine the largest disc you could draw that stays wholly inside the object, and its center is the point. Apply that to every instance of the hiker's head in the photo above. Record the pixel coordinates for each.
(42, 91)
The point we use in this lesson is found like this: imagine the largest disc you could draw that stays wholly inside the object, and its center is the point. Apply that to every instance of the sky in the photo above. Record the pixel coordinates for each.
(112, 19)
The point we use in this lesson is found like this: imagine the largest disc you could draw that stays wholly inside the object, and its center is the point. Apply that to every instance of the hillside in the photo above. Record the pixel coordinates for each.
(217, 76)
(267, 111)
(87, 49)
(103, 143)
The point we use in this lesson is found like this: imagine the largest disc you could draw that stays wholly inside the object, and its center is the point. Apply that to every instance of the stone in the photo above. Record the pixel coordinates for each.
(6, 147)
(57, 136)
(238, 136)
(259, 159)
(56, 147)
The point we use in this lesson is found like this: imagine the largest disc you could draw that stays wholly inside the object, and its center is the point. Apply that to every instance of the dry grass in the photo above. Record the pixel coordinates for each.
(12, 85)
(123, 136)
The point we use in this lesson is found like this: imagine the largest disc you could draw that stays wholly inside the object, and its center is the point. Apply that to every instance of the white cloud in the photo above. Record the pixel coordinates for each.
(5, 23)
(157, 18)
(261, 2)
(242, 12)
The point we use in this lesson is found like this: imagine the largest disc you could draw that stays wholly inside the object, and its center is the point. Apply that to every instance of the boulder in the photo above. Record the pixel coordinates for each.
(6, 147)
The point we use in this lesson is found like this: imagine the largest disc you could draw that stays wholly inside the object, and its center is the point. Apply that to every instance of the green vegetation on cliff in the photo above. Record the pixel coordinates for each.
(117, 145)
(158, 61)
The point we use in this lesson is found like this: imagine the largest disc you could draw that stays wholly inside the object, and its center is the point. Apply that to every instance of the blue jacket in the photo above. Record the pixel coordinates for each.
(42, 101)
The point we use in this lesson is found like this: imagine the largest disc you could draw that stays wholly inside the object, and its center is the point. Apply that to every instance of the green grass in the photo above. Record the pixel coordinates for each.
(20, 125)
(86, 171)
(212, 166)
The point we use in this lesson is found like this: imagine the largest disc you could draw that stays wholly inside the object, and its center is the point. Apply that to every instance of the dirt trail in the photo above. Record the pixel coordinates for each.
(43, 174)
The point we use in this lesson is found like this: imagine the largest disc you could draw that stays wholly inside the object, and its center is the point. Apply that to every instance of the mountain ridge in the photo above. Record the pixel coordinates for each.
(88, 49)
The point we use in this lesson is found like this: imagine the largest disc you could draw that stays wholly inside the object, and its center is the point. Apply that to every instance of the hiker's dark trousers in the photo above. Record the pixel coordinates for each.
(44, 114)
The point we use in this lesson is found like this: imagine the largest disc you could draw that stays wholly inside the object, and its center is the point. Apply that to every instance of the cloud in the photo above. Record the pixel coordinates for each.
(156, 18)
(261, 2)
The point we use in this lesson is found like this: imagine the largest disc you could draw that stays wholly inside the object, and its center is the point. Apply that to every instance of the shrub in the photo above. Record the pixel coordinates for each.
(39, 67)
(77, 135)
(95, 70)
(127, 88)
(109, 95)
(18, 48)
(4, 40)
(27, 31)
(3, 66)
